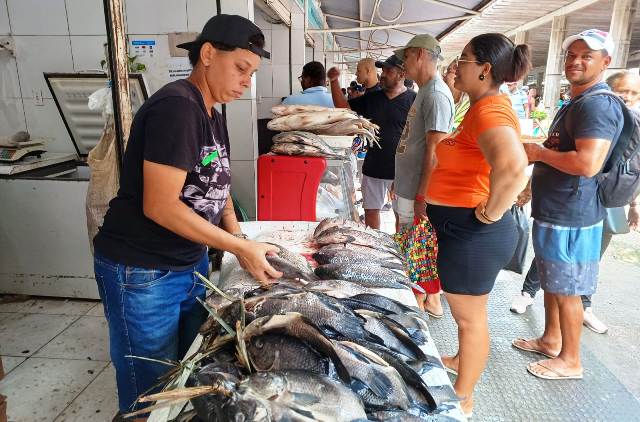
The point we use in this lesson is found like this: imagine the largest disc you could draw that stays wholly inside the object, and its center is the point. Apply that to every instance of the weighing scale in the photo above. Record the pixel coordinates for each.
(23, 149)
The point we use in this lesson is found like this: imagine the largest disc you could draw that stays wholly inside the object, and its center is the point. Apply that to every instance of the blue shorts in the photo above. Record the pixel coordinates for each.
(567, 257)
(151, 313)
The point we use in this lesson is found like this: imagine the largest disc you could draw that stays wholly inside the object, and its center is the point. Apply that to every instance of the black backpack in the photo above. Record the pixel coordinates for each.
(619, 180)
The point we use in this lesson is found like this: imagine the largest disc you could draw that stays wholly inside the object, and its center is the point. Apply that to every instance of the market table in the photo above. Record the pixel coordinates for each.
(293, 235)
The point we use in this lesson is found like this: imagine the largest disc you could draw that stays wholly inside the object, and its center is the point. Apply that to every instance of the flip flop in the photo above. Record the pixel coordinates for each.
(525, 348)
(433, 314)
(556, 375)
(450, 370)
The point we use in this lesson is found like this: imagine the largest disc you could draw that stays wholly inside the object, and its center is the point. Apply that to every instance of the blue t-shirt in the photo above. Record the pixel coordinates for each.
(317, 95)
(561, 198)
(518, 101)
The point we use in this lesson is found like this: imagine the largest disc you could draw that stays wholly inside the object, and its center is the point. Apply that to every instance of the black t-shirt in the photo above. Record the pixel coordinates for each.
(391, 116)
(172, 128)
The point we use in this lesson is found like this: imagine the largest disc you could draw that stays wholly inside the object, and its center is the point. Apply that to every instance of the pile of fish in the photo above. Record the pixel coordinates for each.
(319, 344)
(322, 121)
(302, 143)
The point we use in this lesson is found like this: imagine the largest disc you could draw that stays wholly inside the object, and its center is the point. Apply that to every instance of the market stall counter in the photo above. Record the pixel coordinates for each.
(342, 326)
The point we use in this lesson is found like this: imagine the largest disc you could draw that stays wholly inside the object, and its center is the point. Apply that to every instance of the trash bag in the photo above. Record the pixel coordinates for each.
(522, 225)
(104, 179)
(419, 244)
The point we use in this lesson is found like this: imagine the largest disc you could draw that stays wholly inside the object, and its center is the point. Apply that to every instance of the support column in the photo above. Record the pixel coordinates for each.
(242, 117)
(521, 37)
(298, 45)
(620, 31)
(555, 62)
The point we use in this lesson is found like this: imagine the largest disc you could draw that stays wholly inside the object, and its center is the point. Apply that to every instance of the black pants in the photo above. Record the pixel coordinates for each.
(531, 283)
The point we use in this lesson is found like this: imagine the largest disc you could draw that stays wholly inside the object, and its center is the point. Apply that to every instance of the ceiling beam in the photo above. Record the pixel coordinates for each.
(453, 6)
(393, 26)
(391, 47)
(344, 18)
(564, 10)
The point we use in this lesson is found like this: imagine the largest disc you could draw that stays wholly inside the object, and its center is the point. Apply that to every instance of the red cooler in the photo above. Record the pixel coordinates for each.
(288, 186)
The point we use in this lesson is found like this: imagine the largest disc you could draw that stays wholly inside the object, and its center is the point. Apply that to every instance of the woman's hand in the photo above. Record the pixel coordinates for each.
(252, 257)
(524, 197)
(481, 213)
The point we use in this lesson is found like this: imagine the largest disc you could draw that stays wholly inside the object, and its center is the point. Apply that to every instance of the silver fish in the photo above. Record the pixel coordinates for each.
(305, 138)
(339, 288)
(345, 235)
(303, 150)
(368, 254)
(349, 256)
(368, 273)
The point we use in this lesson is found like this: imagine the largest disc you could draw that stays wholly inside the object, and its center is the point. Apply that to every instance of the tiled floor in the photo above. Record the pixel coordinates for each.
(56, 358)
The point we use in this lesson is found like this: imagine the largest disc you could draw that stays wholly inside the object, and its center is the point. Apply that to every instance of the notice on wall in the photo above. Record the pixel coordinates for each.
(143, 48)
(178, 67)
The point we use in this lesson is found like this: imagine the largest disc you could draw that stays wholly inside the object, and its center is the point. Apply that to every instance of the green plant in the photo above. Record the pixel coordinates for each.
(539, 115)
(134, 67)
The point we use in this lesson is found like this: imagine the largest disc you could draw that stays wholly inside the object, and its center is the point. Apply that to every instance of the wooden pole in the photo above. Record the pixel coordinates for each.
(119, 72)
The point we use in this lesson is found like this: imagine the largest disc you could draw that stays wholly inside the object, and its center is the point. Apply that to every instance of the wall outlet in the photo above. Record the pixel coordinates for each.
(38, 97)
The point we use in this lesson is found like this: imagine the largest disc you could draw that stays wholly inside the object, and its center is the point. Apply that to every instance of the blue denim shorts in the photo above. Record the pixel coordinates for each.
(151, 313)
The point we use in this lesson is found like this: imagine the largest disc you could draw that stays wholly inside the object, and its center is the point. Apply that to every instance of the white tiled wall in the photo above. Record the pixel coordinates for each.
(86, 17)
(156, 16)
(88, 51)
(4, 19)
(37, 54)
(38, 17)
(198, 13)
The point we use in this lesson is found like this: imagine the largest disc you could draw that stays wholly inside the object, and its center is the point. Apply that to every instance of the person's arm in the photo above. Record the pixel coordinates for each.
(161, 203)
(503, 151)
(229, 221)
(336, 90)
(428, 164)
(586, 160)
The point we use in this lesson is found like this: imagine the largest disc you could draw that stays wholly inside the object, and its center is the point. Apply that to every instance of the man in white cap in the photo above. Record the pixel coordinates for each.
(430, 119)
(566, 208)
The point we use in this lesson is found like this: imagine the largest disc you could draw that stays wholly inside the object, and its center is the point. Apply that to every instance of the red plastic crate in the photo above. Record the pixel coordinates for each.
(288, 186)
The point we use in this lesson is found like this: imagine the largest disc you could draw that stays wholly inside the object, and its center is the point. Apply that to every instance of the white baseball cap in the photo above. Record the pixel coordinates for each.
(595, 39)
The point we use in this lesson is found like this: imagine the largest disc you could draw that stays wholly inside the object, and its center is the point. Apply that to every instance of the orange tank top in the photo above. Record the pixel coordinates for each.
(461, 176)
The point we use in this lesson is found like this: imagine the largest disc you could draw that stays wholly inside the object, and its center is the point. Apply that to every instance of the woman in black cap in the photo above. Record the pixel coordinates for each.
(173, 203)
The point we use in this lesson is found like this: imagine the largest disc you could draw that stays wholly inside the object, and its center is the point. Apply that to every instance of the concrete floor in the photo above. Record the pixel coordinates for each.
(56, 357)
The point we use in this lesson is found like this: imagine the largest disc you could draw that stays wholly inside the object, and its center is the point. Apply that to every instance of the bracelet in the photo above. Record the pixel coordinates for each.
(483, 213)
(241, 235)
(419, 198)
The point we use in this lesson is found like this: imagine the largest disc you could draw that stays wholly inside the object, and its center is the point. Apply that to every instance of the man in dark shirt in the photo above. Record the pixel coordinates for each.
(566, 208)
(174, 193)
(388, 108)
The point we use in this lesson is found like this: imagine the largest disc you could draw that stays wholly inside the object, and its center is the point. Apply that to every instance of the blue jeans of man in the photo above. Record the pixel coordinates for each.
(151, 313)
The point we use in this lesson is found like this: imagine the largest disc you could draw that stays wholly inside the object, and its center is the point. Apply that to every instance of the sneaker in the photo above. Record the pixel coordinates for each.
(592, 322)
(521, 302)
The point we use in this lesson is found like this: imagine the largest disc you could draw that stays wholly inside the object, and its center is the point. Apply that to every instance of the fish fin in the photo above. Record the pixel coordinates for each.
(380, 385)
(416, 335)
(391, 265)
(305, 399)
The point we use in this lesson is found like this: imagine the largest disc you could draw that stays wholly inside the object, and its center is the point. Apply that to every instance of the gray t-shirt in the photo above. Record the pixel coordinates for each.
(432, 110)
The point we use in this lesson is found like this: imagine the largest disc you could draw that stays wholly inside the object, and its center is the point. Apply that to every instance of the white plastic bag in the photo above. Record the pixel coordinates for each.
(102, 100)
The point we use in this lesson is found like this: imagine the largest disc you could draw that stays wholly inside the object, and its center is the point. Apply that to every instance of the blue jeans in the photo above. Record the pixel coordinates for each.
(151, 313)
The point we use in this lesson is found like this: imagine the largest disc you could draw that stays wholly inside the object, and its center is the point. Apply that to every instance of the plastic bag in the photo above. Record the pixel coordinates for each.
(102, 100)
(328, 205)
(419, 244)
(104, 179)
(522, 225)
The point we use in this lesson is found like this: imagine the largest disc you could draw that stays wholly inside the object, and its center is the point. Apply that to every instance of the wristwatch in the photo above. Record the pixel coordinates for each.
(241, 235)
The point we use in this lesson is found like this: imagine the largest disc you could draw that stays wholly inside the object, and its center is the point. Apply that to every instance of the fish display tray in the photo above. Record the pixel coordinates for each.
(296, 236)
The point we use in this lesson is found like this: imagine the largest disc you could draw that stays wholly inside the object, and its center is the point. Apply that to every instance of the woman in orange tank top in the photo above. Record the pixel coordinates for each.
(479, 173)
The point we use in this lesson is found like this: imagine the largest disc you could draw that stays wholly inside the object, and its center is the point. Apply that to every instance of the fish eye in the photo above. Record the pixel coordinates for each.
(259, 343)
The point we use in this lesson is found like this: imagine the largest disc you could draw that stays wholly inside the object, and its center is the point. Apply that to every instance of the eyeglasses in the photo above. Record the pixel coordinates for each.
(458, 60)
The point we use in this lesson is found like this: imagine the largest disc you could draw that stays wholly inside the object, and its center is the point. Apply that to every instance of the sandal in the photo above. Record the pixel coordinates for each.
(555, 374)
(524, 345)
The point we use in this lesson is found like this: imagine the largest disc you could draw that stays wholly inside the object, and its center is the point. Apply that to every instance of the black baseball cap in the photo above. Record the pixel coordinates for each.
(232, 30)
(391, 61)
